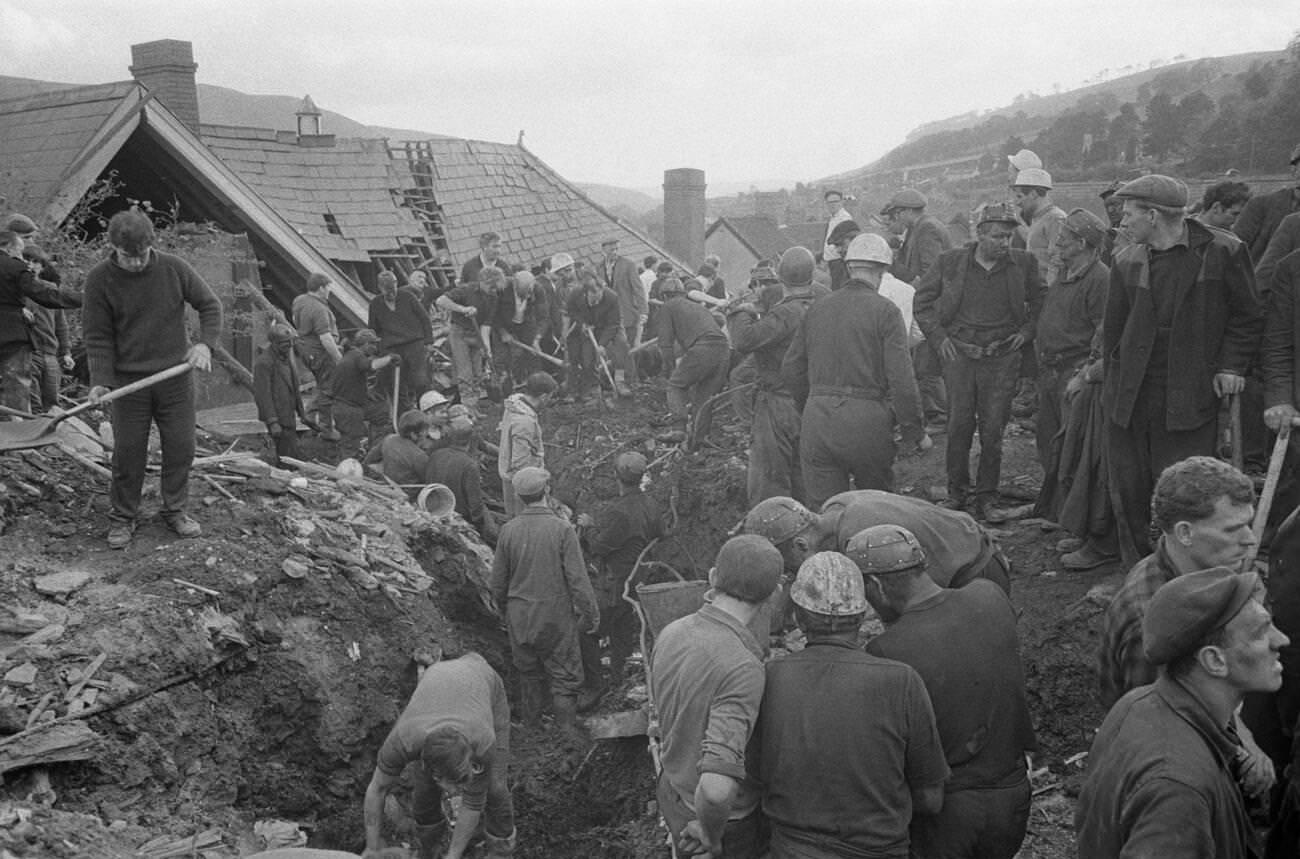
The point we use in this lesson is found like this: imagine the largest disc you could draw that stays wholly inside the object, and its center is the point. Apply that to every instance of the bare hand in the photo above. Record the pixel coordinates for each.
(693, 841)
(926, 443)
(1075, 385)
(1276, 417)
(1228, 383)
(947, 351)
(470, 310)
(507, 337)
(275, 430)
(1017, 340)
(28, 315)
(200, 357)
(67, 361)
(97, 393)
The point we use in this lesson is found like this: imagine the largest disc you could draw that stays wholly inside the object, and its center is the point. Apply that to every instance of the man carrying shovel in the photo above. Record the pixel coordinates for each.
(134, 325)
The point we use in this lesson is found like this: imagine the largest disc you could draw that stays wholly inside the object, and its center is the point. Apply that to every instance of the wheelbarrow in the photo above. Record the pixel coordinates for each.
(38, 432)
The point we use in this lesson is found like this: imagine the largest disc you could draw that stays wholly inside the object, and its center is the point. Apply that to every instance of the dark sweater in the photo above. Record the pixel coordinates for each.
(134, 322)
(406, 323)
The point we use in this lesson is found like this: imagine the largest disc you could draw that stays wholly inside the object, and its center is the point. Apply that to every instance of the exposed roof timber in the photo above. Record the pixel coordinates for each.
(221, 181)
(96, 154)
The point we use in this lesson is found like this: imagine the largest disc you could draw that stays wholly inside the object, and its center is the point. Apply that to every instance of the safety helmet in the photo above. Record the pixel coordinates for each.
(364, 337)
(831, 584)
(796, 266)
(524, 279)
(777, 519)
(869, 247)
(431, 400)
(884, 549)
(561, 260)
(280, 334)
(21, 224)
(671, 285)
(629, 466)
(1033, 177)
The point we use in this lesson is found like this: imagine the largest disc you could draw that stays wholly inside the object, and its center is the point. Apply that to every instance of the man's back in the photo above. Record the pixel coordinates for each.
(844, 739)
(964, 645)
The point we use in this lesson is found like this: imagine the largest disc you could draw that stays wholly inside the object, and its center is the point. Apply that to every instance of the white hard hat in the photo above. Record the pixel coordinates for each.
(561, 260)
(431, 400)
(1024, 159)
(869, 247)
(1034, 177)
(831, 584)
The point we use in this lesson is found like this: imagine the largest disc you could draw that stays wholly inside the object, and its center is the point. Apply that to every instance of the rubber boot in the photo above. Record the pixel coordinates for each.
(620, 385)
(431, 840)
(499, 848)
(566, 712)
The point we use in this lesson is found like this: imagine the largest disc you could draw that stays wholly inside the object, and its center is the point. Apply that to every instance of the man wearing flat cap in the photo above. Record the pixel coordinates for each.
(1165, 770)
(978, 305)
(1264, 212)
(1182, 325)
(542, 589)
(1072, 312)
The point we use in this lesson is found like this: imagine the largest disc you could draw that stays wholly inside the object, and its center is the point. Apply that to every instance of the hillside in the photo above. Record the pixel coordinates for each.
(1111, 113)
(619, 200)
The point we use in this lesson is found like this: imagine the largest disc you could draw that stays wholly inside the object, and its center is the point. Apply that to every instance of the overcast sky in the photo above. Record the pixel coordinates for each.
(758, 91)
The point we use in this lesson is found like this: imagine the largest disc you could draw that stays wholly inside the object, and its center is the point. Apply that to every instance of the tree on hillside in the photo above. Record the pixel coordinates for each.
(1124, 133)
(1163, 126)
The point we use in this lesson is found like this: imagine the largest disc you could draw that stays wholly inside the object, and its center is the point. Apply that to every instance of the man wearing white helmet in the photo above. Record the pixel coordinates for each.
(964, 645)
(1032, 192)
(850, 369)
(840, 778)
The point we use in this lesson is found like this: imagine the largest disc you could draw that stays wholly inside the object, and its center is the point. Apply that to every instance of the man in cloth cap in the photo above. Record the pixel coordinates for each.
(541, 587)
(1182, 325)
(1164, 770)
(619, 274)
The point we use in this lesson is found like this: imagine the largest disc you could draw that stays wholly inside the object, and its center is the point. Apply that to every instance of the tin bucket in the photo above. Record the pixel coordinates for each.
(437, 499)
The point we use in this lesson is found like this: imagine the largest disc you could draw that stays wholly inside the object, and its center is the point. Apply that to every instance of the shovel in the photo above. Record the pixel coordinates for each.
(16, 435)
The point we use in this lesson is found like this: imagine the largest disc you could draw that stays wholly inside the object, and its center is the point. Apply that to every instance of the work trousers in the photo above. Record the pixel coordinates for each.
(414, 376)
(321, 365)
(697, 378)
(989, 824)
(584, 363)
(1052, 412)
(632, 333)
(16, 376)
(47, 377)
(618, 624)
(744, 838)
(467, 358)
(843, 438)
(980, 391)
(499, 810)
(929, 382)
(558, 659)
(354, 423)
(743, 402)
(286, 444)
(1137, 455)
(170, 405)
(774, 449)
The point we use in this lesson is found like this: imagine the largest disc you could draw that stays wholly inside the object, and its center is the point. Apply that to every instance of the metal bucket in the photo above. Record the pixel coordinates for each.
(437, 499)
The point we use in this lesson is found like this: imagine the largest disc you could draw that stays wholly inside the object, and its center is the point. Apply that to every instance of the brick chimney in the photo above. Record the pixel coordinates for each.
(684, 214)
(167, 68)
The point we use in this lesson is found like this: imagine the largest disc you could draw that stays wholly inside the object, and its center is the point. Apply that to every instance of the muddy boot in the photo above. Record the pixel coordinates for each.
(500, 847)
(431, 840)
(566, 712)
(621, 390)
(533, 693)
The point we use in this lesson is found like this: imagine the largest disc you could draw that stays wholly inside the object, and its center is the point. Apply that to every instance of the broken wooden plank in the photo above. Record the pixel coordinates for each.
(88, 673)
(627, 723)
(164, 847)
(61, 743)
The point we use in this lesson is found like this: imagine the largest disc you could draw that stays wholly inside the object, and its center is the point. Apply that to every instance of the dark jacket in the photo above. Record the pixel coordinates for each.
(1278, 355)
(1261, 217)
(470, 270)
(275, 390)
(926, 240)
(938, 295)
(1286, 238)
(768, 337)
(1217, 323)
(626, 284)
(603, 318)
(17, 283)
(405, 324)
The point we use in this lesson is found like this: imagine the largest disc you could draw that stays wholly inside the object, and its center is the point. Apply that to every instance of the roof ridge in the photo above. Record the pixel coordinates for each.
(70, 95)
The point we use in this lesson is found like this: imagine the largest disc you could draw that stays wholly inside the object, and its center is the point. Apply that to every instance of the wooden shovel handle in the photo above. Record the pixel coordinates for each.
(137, 385)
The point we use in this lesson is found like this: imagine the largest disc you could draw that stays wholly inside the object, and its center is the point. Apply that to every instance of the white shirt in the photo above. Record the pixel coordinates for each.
(830, 252)
(901, 294)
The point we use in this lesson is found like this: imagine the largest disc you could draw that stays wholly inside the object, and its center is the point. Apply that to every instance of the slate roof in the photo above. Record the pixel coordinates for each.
(811, 235)
(43, 137)
(759, 233)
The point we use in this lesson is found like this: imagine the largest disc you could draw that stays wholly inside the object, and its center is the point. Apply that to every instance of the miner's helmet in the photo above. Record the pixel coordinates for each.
(778, 519)
(829, 583)
(884, 549)
(869, 247)
(796, 267)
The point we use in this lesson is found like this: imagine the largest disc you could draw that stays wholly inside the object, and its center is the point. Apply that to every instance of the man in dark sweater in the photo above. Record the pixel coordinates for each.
(403, 327)
(456, 468)
(134, 324)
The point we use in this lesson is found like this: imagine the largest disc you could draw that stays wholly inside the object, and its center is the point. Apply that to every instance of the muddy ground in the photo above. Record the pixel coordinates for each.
(287, 726)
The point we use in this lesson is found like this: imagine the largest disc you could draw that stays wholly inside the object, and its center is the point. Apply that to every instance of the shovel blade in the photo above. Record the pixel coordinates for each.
(18, 435)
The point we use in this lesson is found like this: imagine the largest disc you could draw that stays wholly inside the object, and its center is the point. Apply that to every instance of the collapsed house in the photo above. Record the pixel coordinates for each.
(306, 200)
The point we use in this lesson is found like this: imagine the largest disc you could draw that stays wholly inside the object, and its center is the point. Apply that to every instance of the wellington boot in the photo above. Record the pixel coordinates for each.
(620, 385)
(500, 848)
(431, 840)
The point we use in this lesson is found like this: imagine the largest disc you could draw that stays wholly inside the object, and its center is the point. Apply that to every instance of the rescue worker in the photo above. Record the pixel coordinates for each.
(695, 347)
(708, 679)
(1165, 771)
(17, 284)
(1264, 212)
(841, 776)
(275, 390)
(774, 446)
(318, 347)
(963, 643)
(456, 729)
(838, 238)
(399, 455)
(541, 587)
(1182, 325)
(436, 406)
(978, 306)
(1073, 307)
(1221, 205)
(924, 238)
(455, 467)
(488, 256)
(48, 326)
(526, 313)
(521, 435)
(596, 337)
(961, 551)
(849, 369)
(614, 541)
(1032, 191)
(831, 252)
(360, 410)
(472, 306)
(404, 328)
(619, 274)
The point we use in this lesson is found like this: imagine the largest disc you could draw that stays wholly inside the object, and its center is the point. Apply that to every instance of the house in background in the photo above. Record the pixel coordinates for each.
(306, 200)
(740, 242)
